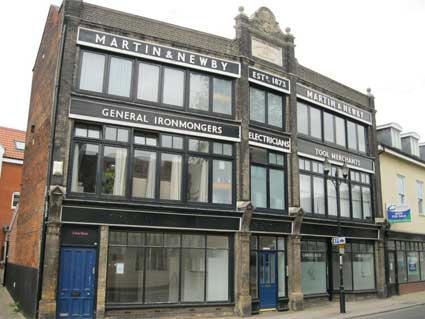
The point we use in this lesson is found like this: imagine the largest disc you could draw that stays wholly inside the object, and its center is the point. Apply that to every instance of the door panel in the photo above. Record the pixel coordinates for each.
(267, 279)
(392, 271)
(76, 283)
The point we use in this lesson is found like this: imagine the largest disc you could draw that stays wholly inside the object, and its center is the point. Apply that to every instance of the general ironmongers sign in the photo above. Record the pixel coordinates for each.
(269, 80)
(318, 151)
(270, 141)
(152, 51)
(331, 103)
(138, 117)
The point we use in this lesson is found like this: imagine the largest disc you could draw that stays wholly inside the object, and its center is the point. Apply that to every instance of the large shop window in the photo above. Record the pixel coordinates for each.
(127, 163)
(410, 260)
(355, 195)
(268, 190)
(331, 128)
(158, 267)
(359, 266)
(314, 267)
(146, 82)
(266, 107)
(273, 244)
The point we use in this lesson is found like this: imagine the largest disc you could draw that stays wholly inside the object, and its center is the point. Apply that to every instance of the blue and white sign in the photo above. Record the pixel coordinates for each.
(398, 214)
(338, 241)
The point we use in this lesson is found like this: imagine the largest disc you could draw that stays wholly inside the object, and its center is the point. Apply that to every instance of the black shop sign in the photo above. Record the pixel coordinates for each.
(270, 141)
(152, 51)
(269, 80)
(147, 119)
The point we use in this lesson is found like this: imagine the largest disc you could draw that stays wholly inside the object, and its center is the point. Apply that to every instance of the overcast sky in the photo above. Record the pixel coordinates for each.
(378, 44)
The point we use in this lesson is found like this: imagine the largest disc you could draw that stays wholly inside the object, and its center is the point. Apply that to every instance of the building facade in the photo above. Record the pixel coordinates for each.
(403, 174)
(182, 172)
(12, 144)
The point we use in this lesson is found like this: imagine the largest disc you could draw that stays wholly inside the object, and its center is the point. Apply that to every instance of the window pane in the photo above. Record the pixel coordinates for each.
(313, 272)
(120, 77)
(305, 193)
(171, 175)
(135, 239)
(367, 203)
(328, 127)
(413, 266)
(197, 183)
(173, 87)
(258, 155)
(340, 131)
(302, 118)
(124, 281)
(199, 146)
(331, 199)
(275, 116)
(199, 91)
(162, 275)
(193, 241)
(267, 242)
(148, 82)
(361, 134)
(363, 271)
(281, 271)
(122, 135)
(144, 174)
(111, 133)
(422, 256)
(347, 271)
(222, 182)
(319, 195)
(117, 238)
(92, 71)
(315, 123)
(114, 171)
(356, 201)
(345, 200)
(352, 135)
(257, 106)
(214, 241)
(401, 267)
(193, 274)
(171, 240)
(84, 168)
(258, 186)
(217, 275)
(222, 96)
(277, 189)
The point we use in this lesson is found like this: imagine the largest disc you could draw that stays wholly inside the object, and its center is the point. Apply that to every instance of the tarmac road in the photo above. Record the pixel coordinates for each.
(417, 312)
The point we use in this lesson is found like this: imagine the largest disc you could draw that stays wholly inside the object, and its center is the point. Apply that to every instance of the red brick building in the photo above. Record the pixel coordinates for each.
(12, 144)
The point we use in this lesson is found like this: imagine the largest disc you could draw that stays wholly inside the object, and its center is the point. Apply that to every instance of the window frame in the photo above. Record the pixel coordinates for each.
(180, 247)
(401, 181)
(158, 149)
(350, 183)
(345, 121)
(133, 97)
(266, 107)
(269, 166)
(419, 196)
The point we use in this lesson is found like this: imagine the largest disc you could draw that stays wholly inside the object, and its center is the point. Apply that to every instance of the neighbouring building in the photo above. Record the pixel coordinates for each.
(179, 172)
(402, 160)
(12, 145)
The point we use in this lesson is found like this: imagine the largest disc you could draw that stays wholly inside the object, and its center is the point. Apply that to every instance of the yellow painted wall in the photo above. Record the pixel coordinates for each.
(391, 166)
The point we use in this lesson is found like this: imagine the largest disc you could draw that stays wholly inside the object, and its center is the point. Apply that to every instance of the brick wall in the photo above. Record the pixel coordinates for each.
(412, 287)
(10, 182)
(31, 207)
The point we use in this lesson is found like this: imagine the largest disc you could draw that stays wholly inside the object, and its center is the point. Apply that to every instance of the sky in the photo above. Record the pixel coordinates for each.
(361, 43)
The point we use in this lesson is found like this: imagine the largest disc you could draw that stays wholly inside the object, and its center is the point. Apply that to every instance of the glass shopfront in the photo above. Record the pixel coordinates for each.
(314, 267)
(167, 267)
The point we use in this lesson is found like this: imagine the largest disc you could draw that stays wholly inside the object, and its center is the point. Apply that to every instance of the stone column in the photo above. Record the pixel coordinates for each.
(47, 305)
(296, 296)
(101, 275)
(243, 306)
(381, 262)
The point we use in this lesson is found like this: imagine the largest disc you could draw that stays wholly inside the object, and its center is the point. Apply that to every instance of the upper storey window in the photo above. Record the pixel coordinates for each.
(330, 128)
(266, 107)
(156, 84)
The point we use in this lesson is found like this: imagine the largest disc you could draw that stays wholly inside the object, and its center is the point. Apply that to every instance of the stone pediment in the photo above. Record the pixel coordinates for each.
(264, 20)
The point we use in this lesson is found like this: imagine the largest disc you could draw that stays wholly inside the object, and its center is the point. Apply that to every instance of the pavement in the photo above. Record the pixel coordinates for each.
(354, 309)
(371, 308)
(7, 306)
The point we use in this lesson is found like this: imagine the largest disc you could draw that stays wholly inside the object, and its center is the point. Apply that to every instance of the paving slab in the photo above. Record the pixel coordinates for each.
(7, 306)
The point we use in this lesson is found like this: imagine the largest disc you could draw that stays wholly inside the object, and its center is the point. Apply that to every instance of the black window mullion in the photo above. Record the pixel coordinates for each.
(158, 175)
(266, 107)
(210, 179)
(106, 74)
(210, 93)
(312, 193)
(186, 90)
(145, 249)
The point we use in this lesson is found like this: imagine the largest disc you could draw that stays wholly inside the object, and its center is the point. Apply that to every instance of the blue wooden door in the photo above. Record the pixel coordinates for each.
(76, 282)
(267, 279)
